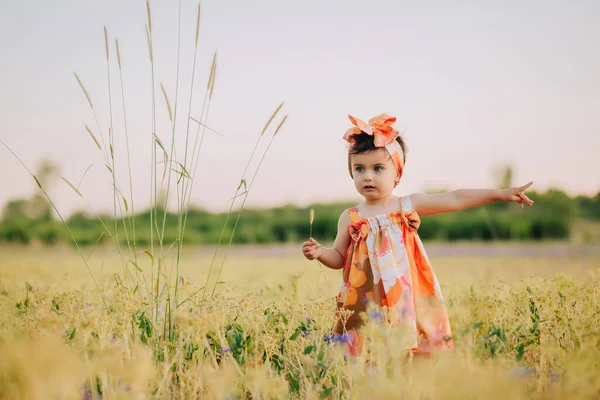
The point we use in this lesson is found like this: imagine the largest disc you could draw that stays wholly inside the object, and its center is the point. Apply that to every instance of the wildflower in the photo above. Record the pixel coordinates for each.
(376, 314)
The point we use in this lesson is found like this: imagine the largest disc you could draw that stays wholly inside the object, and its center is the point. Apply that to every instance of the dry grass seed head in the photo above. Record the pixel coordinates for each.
(168, 102)
(198, 25)
(118, 53)
(84, 91)
(106, 42)
(271, 119)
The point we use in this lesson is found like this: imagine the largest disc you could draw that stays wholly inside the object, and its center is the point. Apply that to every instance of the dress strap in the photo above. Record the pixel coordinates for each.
(406, 204)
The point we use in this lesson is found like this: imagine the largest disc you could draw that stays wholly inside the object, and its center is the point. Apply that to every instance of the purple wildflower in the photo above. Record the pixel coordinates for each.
(87, 392)
(376, 315)
(345, 338)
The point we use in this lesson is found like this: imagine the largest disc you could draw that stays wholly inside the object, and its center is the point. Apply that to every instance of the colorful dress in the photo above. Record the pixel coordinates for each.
(387, 266)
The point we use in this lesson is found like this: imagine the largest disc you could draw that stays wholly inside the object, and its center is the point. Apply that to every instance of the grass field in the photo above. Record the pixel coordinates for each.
(526, 324)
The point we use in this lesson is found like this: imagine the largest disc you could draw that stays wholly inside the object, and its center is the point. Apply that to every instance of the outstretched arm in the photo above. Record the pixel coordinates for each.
(428, 204)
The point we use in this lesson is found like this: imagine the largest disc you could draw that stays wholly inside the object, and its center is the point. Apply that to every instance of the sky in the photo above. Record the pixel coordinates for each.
(473, 85)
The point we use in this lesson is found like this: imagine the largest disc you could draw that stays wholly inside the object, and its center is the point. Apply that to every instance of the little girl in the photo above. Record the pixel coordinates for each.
(379, 249)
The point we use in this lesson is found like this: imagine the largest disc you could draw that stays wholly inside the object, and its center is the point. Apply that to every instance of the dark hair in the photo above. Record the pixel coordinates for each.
(364, 143)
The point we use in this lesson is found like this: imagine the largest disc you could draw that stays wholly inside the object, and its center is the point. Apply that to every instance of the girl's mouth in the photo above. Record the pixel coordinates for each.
(367, 187)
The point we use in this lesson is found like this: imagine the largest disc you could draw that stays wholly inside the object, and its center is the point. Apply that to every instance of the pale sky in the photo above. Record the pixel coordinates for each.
(472, 83)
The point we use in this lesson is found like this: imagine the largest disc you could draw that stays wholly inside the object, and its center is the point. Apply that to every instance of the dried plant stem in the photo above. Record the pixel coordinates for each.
(311, 220)
(93, 137)
(153, 182)
(99, 218)
(236, 196)
(110, 137)
(271, 119)
(103, 148)
(62, 219)
(111, 160)
(196, 158)
(173, 118)
(133, 244)
(244, 202)
(187, 184)
(149, 16)
(228, 216)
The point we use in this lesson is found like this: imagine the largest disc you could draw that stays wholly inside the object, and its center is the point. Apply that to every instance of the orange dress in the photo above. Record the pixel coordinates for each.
(387, 266)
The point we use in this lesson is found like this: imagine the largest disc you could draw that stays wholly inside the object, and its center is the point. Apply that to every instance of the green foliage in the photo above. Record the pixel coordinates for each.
(589, 207)
(550, 218)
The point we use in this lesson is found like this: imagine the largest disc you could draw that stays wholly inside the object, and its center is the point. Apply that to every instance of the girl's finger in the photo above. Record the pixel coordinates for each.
(526, 199)
(524, 187)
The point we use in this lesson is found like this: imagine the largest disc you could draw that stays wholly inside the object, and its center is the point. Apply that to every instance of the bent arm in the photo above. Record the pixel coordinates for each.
(334, 257)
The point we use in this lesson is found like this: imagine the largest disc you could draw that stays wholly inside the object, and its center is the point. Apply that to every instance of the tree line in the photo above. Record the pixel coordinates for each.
(552, 217)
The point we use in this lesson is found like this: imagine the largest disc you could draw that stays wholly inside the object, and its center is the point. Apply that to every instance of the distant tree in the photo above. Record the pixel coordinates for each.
(503, 176)
(37, 206)
(15, 211)
(589, 207)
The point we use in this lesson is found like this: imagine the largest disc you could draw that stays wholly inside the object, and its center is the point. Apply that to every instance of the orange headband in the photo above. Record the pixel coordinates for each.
(380, 127)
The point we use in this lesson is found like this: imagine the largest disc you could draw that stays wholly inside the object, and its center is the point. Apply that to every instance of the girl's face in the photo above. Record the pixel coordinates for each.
(374, 173)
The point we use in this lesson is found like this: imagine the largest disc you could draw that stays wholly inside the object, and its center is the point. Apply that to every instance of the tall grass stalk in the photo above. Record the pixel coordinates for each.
(236, 195)
(119, 214)
(184, 197)
(131, 198)
(107, 230)
(311, 220)
(107, 154)
(153, 184)
(111, 133)
(38, 183)
(245, 198)
(163, 293)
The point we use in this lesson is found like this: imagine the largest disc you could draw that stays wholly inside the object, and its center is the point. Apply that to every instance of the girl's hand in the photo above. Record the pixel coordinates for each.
(516, 194)
(312, 249)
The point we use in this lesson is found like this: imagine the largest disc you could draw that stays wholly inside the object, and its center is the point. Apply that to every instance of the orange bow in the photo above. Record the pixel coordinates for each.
(380, 127)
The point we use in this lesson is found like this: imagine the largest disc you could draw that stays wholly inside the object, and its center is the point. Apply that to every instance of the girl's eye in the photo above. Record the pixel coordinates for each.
(378, 168)
(359, 169)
